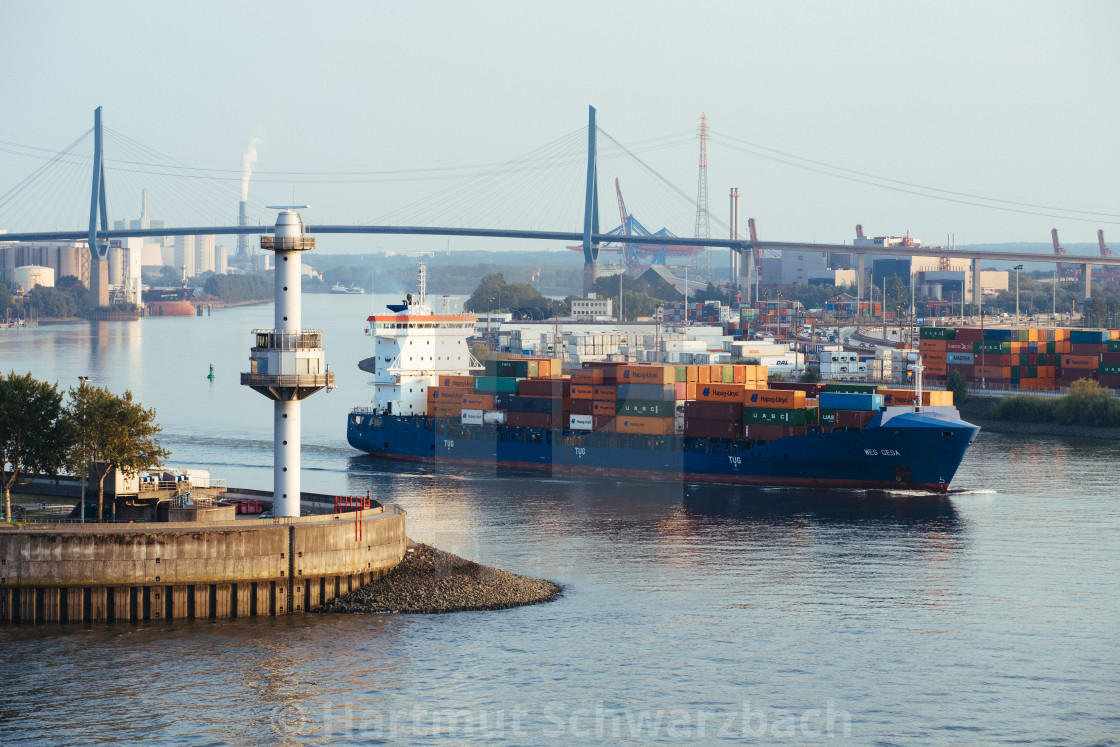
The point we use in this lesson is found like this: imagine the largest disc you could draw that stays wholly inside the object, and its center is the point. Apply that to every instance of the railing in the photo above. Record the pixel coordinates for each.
(203, 482)
(305, 339)
(287, 243)
(318, 380)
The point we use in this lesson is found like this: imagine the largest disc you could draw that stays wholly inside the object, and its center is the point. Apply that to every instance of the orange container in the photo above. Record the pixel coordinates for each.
(932, 346)
(740, 375)
(445, 410)
(581, 391)
(651, 374)
(785, 399)
(587, 376)
(476, 401)
(456, 382)
(649, 426)
(929, 357)
(1080, 361)
(722, 392)
(942, 369)
(604, 392)
(602, 407)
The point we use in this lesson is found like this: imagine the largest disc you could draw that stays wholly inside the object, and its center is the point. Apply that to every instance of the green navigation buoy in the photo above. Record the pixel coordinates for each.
(211, 375)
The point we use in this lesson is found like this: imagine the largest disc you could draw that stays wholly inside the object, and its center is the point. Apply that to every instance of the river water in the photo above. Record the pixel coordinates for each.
(691, 614)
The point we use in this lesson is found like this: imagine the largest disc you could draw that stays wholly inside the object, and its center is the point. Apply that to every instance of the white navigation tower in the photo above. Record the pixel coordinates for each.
(287, 363)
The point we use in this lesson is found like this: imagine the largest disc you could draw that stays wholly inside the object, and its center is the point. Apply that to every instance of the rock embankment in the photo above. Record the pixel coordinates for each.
(431, 581)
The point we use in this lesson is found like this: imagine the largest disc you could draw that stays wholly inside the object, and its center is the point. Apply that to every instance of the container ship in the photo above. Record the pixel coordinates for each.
(433, 402)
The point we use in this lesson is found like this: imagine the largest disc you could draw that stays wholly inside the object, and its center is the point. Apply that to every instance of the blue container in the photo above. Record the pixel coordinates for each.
(1089, 336)
(850, 401)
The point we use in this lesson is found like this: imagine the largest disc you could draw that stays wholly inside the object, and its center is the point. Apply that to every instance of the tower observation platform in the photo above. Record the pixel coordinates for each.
(287, 364)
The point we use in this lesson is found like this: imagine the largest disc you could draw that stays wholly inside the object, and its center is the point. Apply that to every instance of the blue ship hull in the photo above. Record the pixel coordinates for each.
(898, 449)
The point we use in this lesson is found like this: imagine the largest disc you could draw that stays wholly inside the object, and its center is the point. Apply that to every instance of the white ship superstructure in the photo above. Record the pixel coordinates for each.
(413, 347)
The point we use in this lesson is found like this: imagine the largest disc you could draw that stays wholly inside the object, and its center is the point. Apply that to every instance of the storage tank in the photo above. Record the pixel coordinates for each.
(29, 276)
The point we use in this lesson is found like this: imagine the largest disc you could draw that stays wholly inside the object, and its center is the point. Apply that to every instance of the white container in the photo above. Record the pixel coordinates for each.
(579, 422)
(471, 417)
(494, 417)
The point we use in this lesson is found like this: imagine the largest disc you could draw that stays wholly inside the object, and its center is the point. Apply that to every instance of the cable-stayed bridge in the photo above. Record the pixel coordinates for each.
(582, 175)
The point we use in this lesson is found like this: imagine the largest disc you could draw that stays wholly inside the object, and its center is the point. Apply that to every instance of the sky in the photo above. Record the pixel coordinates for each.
(992, 103)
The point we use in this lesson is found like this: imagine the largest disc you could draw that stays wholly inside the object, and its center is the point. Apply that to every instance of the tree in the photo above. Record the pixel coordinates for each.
(32, 438)
(810, 376)
(958, 386)
(110, 432)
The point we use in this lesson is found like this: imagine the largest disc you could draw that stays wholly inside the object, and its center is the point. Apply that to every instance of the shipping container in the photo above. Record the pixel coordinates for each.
(507, 384)
(774, 415)
(494, 417)
(779, 398)
(720, 392)
(580, 422)
(936, 333)
(664, 392)
(529, 419)
(477, 401)
(471, 417)
(602, 407)
(582, 406)
(649, 374)
(850, 401)
(697, 428)
(649, 426)
(645, 408)
(764, 432)
(706, 410)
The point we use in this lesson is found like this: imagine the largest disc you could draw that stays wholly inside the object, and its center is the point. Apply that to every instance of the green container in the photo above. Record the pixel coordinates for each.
(681, 373)
(1032, 372)
(645, 408)
(1023, 359)
(1042, 359)
(1024, 335)
(845, 387)
(991, 347)
(774, 416)
(937, 333)
(1113, 346)
(496, 384)
(827, 417)
(519, 369)
(1109, 369)
(1015, 372)
(1051, 348)
(494, 367)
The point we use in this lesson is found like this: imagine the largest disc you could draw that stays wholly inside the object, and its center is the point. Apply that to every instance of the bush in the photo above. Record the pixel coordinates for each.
(1024, 408)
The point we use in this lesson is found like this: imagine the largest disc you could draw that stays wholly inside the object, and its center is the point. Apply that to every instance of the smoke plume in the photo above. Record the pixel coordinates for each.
(247, 162)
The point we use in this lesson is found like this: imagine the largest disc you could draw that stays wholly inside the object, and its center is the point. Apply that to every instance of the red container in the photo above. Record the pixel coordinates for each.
(960, 345)
(602, 423)
(544, 388)
(812, 391)
(704, 410)
(529, 419)
(581, 407)
(1086, 348)
(712, 428)
(1110, 357)
(853, 418)
(970, 334)
(767, 432)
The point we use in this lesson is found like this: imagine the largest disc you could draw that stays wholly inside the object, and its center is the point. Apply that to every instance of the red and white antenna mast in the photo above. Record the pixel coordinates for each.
(703, 221)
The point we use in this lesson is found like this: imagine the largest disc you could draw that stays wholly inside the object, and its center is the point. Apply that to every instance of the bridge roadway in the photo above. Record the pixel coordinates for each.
(500, 233)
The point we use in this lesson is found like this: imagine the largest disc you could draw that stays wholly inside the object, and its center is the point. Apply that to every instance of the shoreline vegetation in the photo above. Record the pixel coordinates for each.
(1088, 411)
(431, 581)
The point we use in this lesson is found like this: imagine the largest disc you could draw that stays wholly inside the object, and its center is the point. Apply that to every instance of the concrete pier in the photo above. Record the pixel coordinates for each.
(167, 571)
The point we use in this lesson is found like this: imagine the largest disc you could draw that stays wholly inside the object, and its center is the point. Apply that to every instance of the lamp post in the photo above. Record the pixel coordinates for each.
(488, 302)
(1017, 268)
(82, 511)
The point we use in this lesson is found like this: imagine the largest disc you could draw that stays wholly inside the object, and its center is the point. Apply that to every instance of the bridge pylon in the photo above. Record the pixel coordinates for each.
(591, 210)
(98, 248)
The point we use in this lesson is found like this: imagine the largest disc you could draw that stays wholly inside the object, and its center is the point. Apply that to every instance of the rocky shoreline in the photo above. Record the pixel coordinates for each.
(431, 581)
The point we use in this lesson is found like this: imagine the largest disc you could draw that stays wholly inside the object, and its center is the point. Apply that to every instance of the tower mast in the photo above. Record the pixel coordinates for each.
(703, 221)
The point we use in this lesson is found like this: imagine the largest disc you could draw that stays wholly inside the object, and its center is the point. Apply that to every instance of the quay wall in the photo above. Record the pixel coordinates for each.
(122, 572)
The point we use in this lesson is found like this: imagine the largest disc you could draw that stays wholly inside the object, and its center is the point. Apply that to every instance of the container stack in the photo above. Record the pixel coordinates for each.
(1028, 359)
(701, 401)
